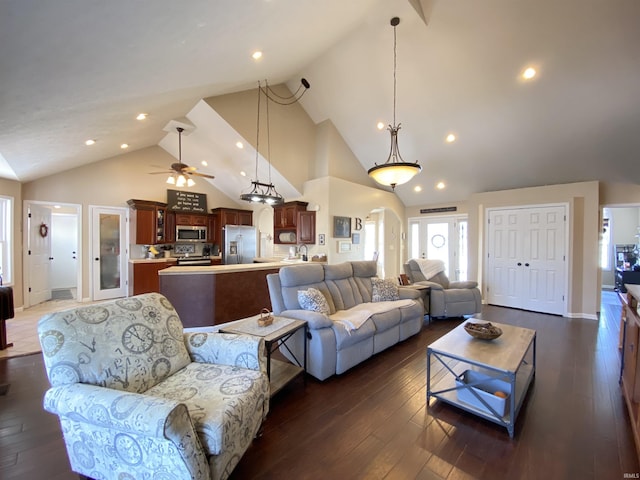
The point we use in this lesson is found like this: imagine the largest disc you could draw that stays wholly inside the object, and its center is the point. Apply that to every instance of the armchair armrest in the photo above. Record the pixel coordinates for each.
(232, 349)
(467, 284)
(315, 320)
(433, 285)
(106, 413)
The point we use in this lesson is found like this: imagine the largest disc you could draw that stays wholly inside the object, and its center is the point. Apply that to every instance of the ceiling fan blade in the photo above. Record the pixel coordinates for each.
(205, 175)
(161, 173)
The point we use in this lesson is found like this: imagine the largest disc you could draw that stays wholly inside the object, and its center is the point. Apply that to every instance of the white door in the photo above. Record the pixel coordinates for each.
(441, 238)
(108, 252)
(64, 249)
(39, 253)
(527, 258)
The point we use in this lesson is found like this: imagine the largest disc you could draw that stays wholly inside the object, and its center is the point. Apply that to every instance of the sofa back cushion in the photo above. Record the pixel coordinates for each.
(126, 344)
(301, 277)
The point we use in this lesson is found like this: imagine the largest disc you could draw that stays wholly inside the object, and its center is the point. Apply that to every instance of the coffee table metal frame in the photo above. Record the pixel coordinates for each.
(511, 358)
(274, 340)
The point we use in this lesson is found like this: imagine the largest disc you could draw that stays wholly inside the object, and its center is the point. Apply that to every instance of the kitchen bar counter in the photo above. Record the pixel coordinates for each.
(210, 295)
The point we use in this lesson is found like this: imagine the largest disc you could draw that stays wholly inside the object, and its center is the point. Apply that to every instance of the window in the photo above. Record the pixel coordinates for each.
(6, 239)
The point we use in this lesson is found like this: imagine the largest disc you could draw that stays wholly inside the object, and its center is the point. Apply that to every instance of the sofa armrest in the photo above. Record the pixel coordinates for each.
(411, 293)
(463, 284)
(433, 285)
(109, 413)
(315, 320)
(236, 350)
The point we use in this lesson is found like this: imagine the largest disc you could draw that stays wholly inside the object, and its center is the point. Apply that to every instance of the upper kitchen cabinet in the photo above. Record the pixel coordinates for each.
(191, 219)
(148, 222)
(293, 224)
(220, 217)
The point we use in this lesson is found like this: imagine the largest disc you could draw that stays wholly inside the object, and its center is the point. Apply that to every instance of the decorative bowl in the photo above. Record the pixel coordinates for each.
(484, 331)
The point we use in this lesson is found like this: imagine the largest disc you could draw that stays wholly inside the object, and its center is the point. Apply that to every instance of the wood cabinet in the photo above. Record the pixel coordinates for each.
(630, 375)
(220, 217)
(148, 222)
(191, 219)
(293, 224)
(144, 276)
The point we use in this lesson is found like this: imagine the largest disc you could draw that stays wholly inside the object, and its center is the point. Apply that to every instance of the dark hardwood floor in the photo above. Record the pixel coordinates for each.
(372, 422)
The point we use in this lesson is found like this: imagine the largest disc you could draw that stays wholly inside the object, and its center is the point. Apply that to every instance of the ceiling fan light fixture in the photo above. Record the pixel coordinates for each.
(181, 181)
(171, 180)
(190, 182)
(395, 171)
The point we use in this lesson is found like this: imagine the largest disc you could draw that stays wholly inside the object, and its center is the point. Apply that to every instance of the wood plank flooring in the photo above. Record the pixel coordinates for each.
(372, 422)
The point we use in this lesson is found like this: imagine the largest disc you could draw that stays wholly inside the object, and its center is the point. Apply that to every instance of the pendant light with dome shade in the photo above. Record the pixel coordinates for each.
(263, 192)
(395, 171)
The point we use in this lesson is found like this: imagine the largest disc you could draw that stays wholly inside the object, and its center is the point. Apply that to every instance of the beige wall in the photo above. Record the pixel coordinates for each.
(110, 183)
(11, 188)
(292, 132)
(583, 202)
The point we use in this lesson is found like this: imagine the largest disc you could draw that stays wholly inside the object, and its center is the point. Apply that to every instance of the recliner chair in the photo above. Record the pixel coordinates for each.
(446, 299)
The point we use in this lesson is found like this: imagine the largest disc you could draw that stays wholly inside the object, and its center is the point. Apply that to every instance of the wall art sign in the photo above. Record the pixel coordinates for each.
(180, 201)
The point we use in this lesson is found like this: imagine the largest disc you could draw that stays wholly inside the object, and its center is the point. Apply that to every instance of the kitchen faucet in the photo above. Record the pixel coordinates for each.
(304, 256)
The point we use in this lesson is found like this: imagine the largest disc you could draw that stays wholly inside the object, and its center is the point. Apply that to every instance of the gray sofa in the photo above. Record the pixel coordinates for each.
(446, 299)
(332, 347)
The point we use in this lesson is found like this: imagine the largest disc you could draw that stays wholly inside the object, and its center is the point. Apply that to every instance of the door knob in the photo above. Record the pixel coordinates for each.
(50, 258)
(519, 264)
(97, 259)
(526, 264)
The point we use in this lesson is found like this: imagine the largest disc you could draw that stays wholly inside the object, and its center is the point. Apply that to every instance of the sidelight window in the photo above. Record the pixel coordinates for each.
(6, 239)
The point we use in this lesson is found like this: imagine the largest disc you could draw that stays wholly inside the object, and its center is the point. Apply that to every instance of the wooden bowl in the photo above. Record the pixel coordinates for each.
(484, 331)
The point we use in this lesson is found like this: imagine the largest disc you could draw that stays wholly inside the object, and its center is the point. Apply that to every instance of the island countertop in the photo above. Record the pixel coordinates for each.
(217, 269)
(210, 295)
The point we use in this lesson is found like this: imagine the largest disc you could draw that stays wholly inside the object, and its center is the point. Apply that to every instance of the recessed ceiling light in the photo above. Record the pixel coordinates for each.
(90, 142)
(529, 73)
(239, 145)
(124, 145)
(257, 55)
(142, 116)
(417, 188)
(440, 185)
(380, 125)
(450, 138)
(57, 206)
(204, 163)
(243, 173)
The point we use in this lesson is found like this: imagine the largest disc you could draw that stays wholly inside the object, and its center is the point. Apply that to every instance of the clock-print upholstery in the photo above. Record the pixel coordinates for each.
(139, 398)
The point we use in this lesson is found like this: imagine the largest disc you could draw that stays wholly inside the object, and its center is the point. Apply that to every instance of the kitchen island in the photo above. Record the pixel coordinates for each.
(210, 295)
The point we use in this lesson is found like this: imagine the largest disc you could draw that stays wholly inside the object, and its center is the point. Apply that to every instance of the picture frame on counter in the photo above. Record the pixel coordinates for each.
(344, 246)
(342, 227)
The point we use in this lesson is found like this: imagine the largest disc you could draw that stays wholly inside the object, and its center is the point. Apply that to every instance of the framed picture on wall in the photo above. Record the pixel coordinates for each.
(342, 227)
(355, 238)
(344, 246)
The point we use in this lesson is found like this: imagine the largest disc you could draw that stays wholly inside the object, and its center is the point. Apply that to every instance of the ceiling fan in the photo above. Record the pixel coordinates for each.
(178, 175)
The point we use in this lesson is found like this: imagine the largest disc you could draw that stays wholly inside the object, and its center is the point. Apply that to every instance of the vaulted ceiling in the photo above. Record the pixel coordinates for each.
(73, 70)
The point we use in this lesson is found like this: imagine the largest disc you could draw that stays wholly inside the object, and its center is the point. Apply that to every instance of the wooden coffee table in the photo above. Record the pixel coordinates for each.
(474, 369)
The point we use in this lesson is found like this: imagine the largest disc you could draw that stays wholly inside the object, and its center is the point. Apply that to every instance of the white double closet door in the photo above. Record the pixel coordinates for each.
(527, 259)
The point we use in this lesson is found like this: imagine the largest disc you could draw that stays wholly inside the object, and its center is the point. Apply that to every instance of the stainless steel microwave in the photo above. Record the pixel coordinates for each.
(188, 233)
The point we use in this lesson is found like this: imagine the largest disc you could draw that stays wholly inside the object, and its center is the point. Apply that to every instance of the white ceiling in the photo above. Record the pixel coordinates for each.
(72, 70)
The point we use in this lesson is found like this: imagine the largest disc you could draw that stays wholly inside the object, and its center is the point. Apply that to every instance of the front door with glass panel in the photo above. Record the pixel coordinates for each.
(108, 253)
(442, 238)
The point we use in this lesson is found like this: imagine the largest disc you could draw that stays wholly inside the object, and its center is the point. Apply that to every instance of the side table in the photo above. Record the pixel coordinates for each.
(425, 290)
(275, 336)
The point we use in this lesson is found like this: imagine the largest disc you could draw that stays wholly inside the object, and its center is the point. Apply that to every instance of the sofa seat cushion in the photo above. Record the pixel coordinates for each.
(220, 400)
(345, 337)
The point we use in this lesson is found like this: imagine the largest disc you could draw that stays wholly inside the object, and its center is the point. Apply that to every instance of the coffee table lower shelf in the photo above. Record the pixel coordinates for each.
(446, 390)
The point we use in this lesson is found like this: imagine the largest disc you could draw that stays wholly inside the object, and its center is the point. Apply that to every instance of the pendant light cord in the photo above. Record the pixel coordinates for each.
(394, 74)
(258, 131)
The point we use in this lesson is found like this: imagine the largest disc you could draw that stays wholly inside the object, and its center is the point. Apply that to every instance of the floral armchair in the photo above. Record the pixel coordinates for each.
(138, 398)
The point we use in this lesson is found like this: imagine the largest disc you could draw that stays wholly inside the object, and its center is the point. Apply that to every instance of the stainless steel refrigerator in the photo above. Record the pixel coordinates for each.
(240, 244)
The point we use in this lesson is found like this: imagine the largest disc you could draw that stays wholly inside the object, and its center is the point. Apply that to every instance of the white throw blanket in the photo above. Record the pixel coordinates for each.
(354, 317)
(430, 268)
